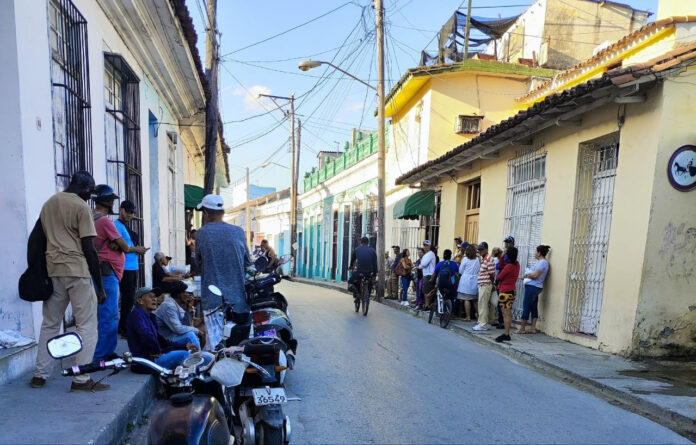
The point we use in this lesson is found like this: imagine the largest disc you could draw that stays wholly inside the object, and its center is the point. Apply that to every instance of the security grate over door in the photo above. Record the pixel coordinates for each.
(594, 200)
(524, 213)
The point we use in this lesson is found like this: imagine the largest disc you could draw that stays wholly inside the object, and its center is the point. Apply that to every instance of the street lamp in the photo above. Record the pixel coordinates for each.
(309, 64)
(267, 163)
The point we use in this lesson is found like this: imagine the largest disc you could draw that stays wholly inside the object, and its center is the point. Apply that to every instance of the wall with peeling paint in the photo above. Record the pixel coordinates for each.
(666, 314)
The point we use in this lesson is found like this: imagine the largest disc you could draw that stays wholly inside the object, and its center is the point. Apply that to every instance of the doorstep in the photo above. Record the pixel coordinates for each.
(663, 391)
(53, 414)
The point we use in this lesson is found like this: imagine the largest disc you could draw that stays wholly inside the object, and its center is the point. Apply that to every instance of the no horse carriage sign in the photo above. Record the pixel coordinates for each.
(681, 169)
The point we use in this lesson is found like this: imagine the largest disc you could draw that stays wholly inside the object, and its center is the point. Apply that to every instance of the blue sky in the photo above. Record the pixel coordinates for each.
(328, 104)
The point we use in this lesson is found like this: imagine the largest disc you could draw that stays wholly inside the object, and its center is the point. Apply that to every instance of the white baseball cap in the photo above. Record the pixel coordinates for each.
(426, 242)
(212, 202)
(190, 288)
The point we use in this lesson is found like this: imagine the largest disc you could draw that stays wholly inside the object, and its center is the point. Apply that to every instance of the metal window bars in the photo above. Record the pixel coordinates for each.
(524, 211)
(594, 200)
(122, 132)
(72, 130)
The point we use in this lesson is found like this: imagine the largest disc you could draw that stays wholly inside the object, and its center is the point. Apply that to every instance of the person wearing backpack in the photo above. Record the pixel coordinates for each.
(446, 275)
(468, 281)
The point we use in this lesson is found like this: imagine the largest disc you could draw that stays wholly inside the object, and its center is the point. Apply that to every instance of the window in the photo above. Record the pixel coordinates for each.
(72, 131)
(465, 124)
(431, 224)
(122, 140)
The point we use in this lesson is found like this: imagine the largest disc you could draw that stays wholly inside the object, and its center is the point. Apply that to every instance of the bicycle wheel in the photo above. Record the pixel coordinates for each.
(432, 313)
(356, 300)
(446, 314)
(366, 299)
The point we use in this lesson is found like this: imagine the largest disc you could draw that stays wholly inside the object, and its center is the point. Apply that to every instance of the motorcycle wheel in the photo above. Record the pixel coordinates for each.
(269, 436)
(446, 314)
(366, 299)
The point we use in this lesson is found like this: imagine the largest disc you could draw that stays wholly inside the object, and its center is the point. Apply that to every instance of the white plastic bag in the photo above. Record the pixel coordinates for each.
(68, 317)
(494, 298)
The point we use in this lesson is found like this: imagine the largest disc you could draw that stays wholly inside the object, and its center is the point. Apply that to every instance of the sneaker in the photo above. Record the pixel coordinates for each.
(478, 327)
(503, 338)
(37, 382)
(89, 386)
(404, 303)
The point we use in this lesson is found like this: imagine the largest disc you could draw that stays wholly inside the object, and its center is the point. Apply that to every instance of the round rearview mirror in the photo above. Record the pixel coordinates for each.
(64, 345)
(216, 290)
(261, 263)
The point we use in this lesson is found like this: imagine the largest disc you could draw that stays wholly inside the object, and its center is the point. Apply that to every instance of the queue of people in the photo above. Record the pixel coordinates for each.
(92, 262)
(483, 284)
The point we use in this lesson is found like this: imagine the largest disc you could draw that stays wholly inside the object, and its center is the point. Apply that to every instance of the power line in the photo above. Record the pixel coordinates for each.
(288, 30)
(291, 58)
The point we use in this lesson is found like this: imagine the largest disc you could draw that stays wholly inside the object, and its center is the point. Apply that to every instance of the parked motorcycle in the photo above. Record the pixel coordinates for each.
(200, 409)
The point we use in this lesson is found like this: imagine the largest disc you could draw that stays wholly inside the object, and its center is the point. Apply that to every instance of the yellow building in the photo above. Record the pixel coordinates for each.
(596, 165)
(436, 107)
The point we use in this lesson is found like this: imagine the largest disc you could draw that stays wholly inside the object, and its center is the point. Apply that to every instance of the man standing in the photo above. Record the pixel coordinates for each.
(427, 265)
(110, 248)
(129, 281)
(73, 266)
(509, 243)
(486, 277)
(222, 254)
(270, 254)
(393, 283)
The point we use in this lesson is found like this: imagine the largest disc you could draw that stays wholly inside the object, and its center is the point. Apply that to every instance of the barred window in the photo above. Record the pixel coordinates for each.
(464, 124)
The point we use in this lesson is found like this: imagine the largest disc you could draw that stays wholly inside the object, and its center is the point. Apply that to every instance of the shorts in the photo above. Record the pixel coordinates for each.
(506, 299)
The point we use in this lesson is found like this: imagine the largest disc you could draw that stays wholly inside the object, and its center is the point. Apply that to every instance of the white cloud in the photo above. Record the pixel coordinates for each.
(251, 100)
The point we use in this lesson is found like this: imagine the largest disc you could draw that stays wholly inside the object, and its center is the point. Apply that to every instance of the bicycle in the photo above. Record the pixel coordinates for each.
(363, 294)
(443, 306)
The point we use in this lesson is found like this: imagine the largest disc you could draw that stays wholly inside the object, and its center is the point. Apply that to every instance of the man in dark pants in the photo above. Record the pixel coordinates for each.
(129, 281)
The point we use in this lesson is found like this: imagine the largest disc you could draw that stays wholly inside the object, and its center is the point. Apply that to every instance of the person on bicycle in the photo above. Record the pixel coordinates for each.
(366, 259)
(446, 275)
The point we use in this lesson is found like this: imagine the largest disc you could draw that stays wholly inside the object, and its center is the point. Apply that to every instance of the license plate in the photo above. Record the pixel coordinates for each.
(269, 396)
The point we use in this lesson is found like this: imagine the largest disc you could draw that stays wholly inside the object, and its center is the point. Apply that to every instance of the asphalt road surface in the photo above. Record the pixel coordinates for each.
(391, 378)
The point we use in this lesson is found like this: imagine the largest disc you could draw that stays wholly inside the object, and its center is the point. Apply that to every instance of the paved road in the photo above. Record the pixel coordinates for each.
(391, 378)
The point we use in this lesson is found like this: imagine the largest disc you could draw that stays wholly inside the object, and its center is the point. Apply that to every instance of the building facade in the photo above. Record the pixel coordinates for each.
(101, 86)
(589, 167)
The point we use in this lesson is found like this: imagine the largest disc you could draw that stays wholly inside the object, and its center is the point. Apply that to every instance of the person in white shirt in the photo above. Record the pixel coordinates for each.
(427, 265)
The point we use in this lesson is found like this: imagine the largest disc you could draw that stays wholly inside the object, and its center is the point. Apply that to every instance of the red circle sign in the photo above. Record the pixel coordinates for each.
(681, 168)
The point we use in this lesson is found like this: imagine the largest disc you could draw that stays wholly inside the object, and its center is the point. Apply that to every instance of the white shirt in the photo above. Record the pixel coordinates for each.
(428, 263)
(469, 270)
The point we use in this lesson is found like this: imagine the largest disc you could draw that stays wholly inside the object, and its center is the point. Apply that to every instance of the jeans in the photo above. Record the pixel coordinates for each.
(172, 359)
(184, 339)
(405, 283)
(531, 302)
(127, 287)
(107, 316)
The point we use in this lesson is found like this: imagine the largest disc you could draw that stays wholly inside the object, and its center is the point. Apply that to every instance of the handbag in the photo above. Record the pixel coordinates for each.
(35, 284)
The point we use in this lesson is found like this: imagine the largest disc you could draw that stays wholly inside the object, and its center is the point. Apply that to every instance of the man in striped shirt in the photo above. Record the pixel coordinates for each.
(485, 286)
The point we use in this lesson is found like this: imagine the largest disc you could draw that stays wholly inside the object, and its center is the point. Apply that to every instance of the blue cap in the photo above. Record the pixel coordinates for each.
(104, 193)
(509, 239)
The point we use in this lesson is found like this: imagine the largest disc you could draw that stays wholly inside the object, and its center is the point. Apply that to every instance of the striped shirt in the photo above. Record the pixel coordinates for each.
(487, 269)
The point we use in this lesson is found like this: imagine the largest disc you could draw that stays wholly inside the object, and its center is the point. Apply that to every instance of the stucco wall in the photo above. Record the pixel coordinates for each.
(666, 316)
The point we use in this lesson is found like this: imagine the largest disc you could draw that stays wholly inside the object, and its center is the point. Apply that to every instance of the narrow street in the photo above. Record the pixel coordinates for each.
(391, 378)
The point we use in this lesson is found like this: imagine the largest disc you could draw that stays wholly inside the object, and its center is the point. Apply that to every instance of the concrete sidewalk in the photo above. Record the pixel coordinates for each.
(663, 391)
(54, 415)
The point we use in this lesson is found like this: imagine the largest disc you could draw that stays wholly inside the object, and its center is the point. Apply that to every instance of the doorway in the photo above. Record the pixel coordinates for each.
(473, 204)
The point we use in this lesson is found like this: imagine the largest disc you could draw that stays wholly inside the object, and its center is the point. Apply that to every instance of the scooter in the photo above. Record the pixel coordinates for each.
(197, 391)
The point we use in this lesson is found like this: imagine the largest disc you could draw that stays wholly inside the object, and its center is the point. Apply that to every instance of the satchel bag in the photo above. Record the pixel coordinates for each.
(35, 284)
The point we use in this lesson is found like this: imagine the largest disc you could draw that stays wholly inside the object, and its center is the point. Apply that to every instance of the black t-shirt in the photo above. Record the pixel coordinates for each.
(158, 275)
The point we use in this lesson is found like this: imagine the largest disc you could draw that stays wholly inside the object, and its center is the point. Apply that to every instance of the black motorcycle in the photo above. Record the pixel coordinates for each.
(201, 407)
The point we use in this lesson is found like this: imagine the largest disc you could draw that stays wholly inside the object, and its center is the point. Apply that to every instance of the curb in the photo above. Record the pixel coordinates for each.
(676, 422)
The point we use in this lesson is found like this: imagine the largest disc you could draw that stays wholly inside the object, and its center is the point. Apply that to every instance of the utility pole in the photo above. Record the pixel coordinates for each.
(381, 150)
(211, 106)
(467, 30)
(248, 211)
(293, 187)
(295, 181)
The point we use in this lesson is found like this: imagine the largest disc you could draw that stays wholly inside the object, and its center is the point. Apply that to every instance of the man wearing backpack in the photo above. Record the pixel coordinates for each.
(446, 273)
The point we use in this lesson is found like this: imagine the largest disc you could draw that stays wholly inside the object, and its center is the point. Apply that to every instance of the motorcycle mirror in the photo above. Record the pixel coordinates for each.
(261, 263)
(216, 290)
(64, 345)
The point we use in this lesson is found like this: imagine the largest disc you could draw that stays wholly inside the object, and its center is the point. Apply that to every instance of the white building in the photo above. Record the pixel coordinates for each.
(110, 86)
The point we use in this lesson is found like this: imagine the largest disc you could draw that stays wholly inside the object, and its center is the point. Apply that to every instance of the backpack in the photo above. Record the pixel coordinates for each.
(445, 277)
(35, 284)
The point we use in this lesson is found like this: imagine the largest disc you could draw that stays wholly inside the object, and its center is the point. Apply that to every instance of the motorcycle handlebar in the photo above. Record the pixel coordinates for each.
(113, 364)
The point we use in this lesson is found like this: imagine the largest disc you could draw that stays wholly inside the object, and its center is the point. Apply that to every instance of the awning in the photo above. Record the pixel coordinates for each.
(193, 195)
(419, 204)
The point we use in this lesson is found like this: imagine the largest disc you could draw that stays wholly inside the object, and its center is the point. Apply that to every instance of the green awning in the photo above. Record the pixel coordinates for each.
(193, 195)
(412, 207)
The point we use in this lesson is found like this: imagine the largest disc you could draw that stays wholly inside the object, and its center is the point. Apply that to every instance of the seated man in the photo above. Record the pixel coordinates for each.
(143, 338)
(270, 255)
(174, 319)
(161, 278)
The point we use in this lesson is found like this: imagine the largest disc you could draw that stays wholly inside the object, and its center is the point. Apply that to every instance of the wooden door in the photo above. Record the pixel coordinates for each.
(473, 204)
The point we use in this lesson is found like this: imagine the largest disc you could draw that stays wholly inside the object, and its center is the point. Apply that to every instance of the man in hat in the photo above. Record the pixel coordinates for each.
(393, 282)
(143, 338)
(73, 265)
(223, 256)
(161, 277)
(129, 280)
(174, 318)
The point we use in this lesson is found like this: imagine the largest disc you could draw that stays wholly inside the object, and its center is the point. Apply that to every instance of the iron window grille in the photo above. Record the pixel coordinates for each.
(122, 133)
(72, 130)
(467, 124)
(594, 201)
(524, 212)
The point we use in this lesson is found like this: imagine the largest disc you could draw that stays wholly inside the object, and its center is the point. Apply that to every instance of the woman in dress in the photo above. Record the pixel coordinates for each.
(468, 281)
